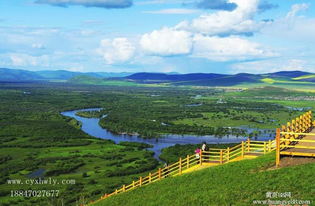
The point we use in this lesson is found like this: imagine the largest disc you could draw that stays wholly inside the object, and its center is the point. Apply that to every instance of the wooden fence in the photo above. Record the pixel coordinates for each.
(211, 157)
(290, 138)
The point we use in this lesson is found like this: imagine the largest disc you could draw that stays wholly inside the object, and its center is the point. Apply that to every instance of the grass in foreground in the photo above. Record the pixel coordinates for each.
(238, 183)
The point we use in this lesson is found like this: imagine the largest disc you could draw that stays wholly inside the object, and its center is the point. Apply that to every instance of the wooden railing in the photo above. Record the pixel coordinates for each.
(212, 156)
(246, 148)
(290, 135)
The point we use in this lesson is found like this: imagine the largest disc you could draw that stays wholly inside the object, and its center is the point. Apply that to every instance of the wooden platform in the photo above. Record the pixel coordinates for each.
(302, 151)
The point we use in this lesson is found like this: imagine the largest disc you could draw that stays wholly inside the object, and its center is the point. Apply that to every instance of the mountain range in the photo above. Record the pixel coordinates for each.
(8, 75)
(192, 79)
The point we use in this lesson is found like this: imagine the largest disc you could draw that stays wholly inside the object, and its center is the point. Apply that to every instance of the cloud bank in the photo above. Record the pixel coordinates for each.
(236, 22)
(214, 36)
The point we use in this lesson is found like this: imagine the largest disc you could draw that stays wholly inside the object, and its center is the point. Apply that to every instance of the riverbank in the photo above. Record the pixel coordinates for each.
(91, 126)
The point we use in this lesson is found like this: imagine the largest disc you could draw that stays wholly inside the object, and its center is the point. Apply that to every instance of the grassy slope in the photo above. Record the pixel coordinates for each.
(304, 77)
(237, 183)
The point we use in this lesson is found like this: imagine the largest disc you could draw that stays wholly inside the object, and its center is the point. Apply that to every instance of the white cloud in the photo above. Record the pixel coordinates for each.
(18, 59)
(173, 11)
(237, 21)
(228, 48)
(274, 65)
(118, 50)
(292, 27)
(296, 8)
(166, 42)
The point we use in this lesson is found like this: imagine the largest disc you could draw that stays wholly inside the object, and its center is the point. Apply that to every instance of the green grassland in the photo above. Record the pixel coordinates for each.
(267, 120)
(238, 183)
(265, 116)
(88, 80)
(272, 81)
(304, 77)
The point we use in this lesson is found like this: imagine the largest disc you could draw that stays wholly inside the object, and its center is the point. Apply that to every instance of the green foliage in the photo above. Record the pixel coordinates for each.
(34, 136)
(138, 145)
(90, 114)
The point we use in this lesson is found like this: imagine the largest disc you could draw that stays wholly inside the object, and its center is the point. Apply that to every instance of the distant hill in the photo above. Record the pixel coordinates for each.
(24, 75)
(17, 75)
(160, 77)
(290, 74)
(211, 79)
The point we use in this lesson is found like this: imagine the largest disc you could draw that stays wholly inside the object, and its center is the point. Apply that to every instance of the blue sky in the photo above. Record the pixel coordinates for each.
(220, 36)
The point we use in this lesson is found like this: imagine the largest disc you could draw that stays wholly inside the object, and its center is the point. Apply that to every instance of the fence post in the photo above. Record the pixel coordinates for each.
(265, 147)
(133, 184)
(124, 188)
(277, 147)
(221, 156)
(269, 146)
(228, 154)
(140, 181)
(150, 177)
(160, 173)
(242, 149)
(248, 145)
(187, 161)
(200, 156)
(116, 191)
(180, 166)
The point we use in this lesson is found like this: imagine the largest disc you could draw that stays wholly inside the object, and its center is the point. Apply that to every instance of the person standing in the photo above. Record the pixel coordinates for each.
(204, 148)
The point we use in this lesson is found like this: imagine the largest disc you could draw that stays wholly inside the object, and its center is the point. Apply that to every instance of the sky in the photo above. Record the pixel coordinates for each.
(184, 36)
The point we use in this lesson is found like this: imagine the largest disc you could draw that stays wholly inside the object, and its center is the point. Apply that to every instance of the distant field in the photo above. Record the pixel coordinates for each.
(269, 120)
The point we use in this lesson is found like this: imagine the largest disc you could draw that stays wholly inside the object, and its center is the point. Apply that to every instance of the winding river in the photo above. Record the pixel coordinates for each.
(91, 127)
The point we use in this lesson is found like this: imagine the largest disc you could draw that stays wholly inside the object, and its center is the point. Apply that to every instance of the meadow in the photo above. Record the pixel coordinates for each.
(238, 183)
